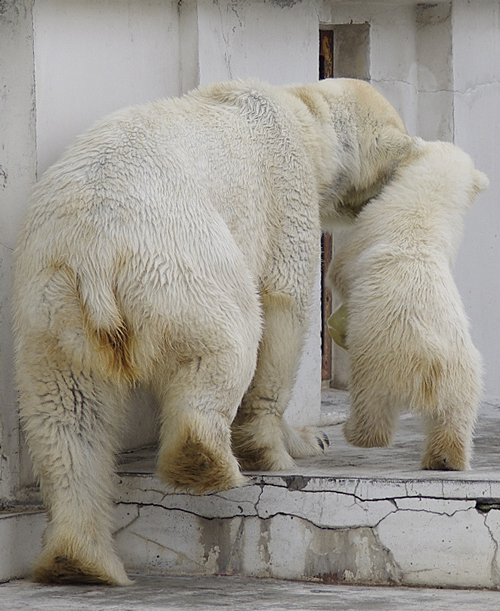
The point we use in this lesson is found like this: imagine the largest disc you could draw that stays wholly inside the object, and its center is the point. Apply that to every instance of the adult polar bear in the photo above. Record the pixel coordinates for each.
(175, 245)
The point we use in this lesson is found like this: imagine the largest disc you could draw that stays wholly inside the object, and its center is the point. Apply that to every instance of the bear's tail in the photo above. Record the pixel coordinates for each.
(107, 327)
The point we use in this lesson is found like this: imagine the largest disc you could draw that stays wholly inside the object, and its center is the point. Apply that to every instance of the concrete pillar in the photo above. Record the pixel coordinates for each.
(434, 53)
(17, 175)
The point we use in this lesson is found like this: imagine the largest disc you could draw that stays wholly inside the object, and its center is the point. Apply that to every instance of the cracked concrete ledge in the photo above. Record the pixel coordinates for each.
(351, 516)
(317, 528)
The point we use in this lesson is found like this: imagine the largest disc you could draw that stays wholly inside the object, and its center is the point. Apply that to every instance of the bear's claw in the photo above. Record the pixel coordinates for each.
(323, 441)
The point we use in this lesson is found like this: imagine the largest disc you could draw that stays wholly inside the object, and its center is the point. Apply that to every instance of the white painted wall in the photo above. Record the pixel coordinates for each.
(93, 57)
(434, 52)
(476, 113)
(275, 41)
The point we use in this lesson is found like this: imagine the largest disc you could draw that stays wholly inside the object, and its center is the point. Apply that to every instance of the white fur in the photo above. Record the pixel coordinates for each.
(407, 331)
(175, 245)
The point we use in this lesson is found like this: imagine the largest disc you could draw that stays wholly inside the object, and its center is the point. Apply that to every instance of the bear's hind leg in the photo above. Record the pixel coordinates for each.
(72, 423)
(449, 404)
(199, 402)
(449, 439)
(373, 418)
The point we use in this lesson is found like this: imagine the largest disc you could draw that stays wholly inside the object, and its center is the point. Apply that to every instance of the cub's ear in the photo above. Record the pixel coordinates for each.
(481, 181)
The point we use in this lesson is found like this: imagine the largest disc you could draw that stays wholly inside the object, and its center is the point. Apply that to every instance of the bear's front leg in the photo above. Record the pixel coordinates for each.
(262, 440)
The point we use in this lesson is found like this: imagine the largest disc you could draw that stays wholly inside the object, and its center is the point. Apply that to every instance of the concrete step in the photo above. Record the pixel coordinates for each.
(352, 516)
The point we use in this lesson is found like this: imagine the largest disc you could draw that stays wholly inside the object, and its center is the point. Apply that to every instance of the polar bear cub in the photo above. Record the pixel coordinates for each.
(407, 331)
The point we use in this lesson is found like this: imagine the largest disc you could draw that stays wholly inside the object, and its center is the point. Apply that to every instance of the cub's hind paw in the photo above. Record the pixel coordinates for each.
(444, 463)
(446, 452)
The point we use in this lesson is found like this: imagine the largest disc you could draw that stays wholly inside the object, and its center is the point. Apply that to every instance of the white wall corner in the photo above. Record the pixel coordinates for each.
(17, 175)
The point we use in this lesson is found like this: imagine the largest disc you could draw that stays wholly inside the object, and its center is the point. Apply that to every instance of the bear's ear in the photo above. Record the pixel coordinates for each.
(389, 149)
(418, 145)
(394, 143)
(481, 181)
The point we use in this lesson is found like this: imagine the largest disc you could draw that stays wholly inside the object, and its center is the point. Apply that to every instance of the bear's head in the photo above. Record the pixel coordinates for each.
(451, 168)
(370, 141)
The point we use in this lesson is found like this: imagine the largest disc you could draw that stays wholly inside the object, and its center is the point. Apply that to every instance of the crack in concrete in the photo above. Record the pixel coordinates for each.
(390, 555)
(431, 511)
(468, 91)
(256, 506)
(186, 511)
(476, 87)
(395, 572)
(495, 569)
(357, 499)
(419, 571)
(391, 499)
(225, 38)
(258, 515)
(345, 527)
(128, 525)
(177, 553)
(395, 80)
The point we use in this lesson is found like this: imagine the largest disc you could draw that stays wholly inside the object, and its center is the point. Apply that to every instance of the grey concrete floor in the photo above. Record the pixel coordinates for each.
(400, 460)
(403, 456)
(151, 593)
